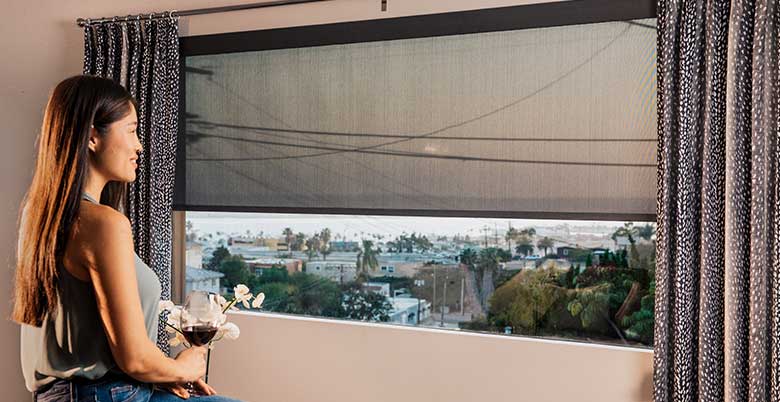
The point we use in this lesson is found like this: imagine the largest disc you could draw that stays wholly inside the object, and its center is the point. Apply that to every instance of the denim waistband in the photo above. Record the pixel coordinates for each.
(109, 376)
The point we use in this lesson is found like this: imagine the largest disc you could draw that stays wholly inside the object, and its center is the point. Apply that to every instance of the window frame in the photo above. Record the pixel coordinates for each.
(540, 15)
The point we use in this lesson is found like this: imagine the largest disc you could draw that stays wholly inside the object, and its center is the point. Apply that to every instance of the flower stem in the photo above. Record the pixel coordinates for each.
(177, 330)
(232, 302)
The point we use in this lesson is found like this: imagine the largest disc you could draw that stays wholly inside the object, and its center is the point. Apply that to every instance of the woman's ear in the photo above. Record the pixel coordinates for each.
(93, 139)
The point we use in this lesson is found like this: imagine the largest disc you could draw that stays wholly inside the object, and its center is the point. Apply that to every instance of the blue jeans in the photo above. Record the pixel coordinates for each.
(113, 389)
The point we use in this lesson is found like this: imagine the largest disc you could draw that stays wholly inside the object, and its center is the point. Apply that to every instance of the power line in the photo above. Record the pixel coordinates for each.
(263, 130)
(480, 116)
(463, 158)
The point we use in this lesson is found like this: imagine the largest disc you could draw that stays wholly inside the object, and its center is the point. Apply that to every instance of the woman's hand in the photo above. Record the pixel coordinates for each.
(204, 388)
(174, 388)
(193, 361)
(179, 390)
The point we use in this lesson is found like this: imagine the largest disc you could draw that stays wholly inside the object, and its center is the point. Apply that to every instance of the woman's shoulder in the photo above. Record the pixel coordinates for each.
(101, 217)
(98, 225)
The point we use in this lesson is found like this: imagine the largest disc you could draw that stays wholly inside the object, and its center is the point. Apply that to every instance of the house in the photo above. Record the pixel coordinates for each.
(382, 288)
(202, 279)
(409, 310)
(292, 265)
(337, 271)
(564, 251)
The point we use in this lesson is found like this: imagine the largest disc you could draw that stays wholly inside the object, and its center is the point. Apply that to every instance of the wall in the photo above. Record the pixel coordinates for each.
(297, 359)
(41, 45)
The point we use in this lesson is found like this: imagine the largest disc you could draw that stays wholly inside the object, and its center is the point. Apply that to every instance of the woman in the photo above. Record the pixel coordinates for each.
(86, 302)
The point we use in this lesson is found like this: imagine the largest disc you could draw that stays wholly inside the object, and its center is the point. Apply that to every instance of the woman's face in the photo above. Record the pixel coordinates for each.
(114, 154)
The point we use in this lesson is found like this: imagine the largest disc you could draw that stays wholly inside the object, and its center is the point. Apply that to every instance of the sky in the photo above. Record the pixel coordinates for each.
(390, 226)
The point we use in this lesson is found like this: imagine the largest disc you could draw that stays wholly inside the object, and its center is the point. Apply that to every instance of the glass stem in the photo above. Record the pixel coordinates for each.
(208, 358)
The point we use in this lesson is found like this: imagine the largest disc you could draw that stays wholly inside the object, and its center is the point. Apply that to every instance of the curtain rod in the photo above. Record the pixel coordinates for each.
(199, 11)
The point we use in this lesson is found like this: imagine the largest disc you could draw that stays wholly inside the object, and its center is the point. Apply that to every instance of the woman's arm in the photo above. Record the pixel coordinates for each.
(110, 261)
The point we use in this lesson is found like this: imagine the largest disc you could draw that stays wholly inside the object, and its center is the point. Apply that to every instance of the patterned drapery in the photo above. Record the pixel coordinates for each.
(143, 56)
(717, 332)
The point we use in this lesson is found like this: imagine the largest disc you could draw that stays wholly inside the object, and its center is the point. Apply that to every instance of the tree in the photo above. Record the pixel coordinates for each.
(366, 259)
(366, 306)
(646, 232)
(640, 324)
(235, 269)
(190, 233)
(324, 248)
(526, 302)
(525, 245)
(487, 266)
(289, 237)
(628, 230)
(298, 242)
(468, 257)
(216, 258)
(511, 234)
(313, 295)
(545, 243)
(313, 246)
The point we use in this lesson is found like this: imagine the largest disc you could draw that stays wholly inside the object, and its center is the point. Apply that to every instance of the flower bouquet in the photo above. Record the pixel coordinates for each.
(178, 318)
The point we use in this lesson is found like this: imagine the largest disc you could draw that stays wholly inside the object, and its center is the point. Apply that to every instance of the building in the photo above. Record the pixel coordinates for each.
(381, 288)
(564, 251)
(194, 254)
(343, 246)
(337, 271)
(202, 279)
(292, 265)
(409, 310)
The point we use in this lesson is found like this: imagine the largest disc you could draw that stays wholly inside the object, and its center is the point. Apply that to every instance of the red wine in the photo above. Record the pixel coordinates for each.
(199, 336)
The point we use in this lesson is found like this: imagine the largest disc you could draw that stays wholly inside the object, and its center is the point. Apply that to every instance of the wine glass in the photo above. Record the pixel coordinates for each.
(200, 319)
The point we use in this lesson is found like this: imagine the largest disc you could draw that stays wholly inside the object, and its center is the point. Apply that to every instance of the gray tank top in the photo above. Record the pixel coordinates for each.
(72, 342)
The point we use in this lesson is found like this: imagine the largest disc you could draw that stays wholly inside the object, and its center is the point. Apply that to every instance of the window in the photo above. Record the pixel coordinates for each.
(477, 170)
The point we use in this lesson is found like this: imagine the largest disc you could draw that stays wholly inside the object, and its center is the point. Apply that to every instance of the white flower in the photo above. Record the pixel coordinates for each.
(258, 301)
(242, 294)
(176, 340)
(230, 331)
(174, 316)
(222, 302)
(165, 305)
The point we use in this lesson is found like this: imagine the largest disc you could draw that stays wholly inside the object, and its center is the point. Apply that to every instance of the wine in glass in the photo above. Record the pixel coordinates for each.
(200, 319)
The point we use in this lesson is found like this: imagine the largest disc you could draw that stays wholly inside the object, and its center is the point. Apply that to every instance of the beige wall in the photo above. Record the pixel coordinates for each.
(41, 45)
(296, 359)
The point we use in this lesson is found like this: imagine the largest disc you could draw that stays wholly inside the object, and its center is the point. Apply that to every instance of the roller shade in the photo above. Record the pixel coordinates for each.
(548, 121)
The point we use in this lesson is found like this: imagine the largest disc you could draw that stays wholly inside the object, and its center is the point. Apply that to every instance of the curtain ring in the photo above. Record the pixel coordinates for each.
(89, 21)
(113, 19)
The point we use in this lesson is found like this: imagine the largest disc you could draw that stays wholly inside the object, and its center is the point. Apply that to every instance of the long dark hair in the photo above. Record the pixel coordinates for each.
(53, 199)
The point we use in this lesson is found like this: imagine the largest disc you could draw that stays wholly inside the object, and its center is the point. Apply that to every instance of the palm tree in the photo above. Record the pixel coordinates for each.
(325, 243)
(288, 237)
(545, 243)
(366, 259)
(468, 257)
(313, 245)
(646, 232)
(511, 234)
